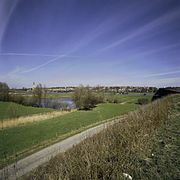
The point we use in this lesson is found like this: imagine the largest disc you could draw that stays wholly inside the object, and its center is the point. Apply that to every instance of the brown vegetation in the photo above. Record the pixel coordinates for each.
(30, 119)
(121, 150)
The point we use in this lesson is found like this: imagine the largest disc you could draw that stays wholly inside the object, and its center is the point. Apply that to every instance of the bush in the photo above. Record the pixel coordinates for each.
(4, 92)
(100, 98)
(142, 101)
(112, 99)
(17, 98)
(84, 98)
(29, 101)
(24, 100)
(12, 110)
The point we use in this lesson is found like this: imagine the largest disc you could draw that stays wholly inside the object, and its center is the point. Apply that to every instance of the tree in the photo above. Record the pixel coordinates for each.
(84, 98)
(4, 92)
(39, 92)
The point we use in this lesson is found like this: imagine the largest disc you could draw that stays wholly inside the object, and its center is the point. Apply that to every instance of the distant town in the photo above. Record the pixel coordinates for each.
(106, 89)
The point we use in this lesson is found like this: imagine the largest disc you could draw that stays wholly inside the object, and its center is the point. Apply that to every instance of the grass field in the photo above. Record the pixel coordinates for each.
(59, 95)
(130, 98)
(19, 141)
(10, 110)
(24, 120)
(144, 146)
(48, 95)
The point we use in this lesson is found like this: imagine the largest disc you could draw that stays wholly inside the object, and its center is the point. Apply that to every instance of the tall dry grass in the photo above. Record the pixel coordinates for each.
(119, 151)
(8, 123)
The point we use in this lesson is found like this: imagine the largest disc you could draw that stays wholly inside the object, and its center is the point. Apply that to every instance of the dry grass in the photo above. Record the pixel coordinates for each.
(123, 148)
(30, 119)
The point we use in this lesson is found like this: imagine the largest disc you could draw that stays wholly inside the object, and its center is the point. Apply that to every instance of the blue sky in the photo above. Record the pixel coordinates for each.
(106, 42)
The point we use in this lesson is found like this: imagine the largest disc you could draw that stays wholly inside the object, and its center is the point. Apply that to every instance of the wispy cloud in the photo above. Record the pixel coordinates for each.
(6, 9)
(27, 54)
(163, 73)
(22, 70)
(44, 64)
(156, 50)
(144, 29)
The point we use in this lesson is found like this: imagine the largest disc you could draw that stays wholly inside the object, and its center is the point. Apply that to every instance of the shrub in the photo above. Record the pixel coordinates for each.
(17, 98)
(142, 101)
(99, 98)
(39, 92)
(112, 99)
(84, 98)
(13, 111)
(29, 101)
(4, 92)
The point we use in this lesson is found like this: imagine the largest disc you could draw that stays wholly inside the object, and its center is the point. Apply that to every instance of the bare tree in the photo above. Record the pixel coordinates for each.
(39, 92)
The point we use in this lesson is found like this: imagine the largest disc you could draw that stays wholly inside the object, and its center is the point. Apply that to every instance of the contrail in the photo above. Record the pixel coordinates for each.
(42, 65)
(163, 73)
(158, 49)
(33, 54)
(6, 9)
(55, 58)
(28, 54)
(147, 27)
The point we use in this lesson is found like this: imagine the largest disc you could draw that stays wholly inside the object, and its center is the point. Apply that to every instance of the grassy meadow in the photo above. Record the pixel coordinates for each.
(129, 98)
(10, 110)
(60, 95)
(20, 141)
(48, 95)
(143, 146)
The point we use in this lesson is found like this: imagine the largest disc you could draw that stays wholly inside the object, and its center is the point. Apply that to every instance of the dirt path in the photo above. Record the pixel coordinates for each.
(31, 162)
(29, 119)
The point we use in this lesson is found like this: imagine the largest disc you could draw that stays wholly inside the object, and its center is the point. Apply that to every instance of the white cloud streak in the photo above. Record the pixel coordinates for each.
(6, 9)
(27, 54)
(163, 48)
(147, 27)
(55, 58)
(163, 73)
(44, 64)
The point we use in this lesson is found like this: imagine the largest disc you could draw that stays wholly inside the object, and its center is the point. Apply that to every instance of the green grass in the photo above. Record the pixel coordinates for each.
(59, 95)
(12, 110)
(19, 141)
(130, 99)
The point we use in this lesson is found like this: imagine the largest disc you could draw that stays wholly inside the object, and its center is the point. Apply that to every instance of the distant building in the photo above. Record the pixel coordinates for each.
(161, 92)
(34, 85)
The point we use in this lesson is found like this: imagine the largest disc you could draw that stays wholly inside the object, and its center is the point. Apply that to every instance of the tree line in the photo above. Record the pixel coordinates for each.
(38, 93)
